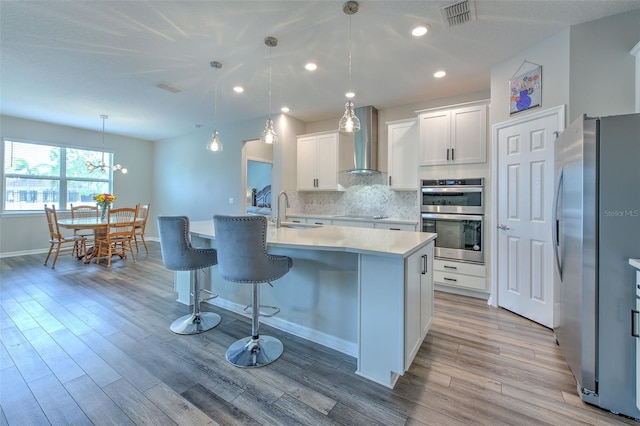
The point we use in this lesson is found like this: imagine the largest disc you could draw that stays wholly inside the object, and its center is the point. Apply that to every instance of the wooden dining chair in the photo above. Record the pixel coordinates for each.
(57, 240)
(84, 211)
(119, 236)
(143, 213)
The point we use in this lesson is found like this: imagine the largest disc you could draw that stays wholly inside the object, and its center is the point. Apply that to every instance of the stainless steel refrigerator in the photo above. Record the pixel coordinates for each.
(596, 231)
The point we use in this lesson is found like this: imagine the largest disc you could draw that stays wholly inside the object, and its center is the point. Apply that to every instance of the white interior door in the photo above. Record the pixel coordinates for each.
(525, 198)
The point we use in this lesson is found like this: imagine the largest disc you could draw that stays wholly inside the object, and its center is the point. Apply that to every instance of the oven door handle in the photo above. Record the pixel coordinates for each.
(446, 216)
(456, 189)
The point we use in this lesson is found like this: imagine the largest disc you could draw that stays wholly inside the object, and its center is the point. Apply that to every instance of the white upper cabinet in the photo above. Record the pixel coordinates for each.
(320, 157)
(402, 163)
(453, 135)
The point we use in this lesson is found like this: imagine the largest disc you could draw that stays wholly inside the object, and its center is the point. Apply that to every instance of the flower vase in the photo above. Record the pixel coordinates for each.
(103, 212)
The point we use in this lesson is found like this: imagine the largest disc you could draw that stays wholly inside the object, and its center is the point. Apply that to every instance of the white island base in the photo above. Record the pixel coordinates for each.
(364, 292)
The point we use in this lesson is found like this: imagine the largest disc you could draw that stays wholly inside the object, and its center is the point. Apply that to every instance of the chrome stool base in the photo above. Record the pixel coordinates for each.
(250, 352)
(195, 323)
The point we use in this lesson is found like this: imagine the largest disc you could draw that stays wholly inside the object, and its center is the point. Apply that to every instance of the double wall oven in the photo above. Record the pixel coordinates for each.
(454, 209)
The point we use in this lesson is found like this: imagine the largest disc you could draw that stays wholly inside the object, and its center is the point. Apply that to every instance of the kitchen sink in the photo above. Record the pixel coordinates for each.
(296, 225)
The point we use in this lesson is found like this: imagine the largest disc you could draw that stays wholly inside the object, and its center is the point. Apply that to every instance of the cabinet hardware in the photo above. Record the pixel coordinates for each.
(389, 180)
(425, 264)
(452, 156)
(394, 229)
(447, 154)
(450, 267)
(634, 323)
(295, 221)
(450, 279)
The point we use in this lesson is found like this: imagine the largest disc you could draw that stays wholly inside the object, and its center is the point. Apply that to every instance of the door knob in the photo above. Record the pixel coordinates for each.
(503, 227)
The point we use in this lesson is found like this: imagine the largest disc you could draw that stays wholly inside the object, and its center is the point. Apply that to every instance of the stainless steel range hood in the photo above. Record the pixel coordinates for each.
(365, 142)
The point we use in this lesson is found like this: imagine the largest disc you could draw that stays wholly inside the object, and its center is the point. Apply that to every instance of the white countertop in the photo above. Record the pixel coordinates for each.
(353, 218)
(336, 238)
(635, 263)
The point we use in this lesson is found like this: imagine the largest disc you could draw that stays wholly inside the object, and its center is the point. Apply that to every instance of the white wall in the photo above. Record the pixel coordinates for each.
(602, 70)
(25, 233)
(191, 181)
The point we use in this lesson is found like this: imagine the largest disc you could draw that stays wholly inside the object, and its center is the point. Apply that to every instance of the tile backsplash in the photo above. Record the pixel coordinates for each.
(365, 200)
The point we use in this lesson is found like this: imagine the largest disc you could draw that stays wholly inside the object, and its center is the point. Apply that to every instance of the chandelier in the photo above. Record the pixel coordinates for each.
(349, 123)
(101, 165)
(214, 143)
(269, 134)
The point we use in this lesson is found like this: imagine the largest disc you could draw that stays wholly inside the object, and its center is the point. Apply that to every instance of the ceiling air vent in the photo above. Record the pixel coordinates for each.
(168, 87)
(459, 12)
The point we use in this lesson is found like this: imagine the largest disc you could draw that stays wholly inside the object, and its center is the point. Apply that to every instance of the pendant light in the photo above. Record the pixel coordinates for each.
(214, 143)
(269, 135)
(349, 123)
(101, 165)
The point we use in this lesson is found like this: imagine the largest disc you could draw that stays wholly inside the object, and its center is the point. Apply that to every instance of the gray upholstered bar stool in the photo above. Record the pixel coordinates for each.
(242, 257)
(179, 255)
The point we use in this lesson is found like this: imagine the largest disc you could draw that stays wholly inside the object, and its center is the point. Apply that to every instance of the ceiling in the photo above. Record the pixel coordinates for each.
(68, 62)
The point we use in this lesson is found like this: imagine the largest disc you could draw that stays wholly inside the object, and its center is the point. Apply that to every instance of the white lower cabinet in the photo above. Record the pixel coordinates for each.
(418, 299)
(460, 274)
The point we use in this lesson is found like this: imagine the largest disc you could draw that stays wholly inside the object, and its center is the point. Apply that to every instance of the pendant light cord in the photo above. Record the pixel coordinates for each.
(270, 48)
(103, 118)
(349, 88)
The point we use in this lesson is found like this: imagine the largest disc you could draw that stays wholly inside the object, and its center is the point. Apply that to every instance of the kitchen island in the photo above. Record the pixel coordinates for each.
(364, 292)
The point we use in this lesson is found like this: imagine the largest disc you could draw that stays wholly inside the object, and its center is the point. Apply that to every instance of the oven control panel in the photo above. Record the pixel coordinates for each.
(453, 182)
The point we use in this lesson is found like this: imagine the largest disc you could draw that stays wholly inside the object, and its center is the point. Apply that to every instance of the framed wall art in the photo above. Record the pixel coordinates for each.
(525, 89)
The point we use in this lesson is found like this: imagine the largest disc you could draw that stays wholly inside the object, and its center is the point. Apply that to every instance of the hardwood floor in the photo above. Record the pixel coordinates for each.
(87, 344)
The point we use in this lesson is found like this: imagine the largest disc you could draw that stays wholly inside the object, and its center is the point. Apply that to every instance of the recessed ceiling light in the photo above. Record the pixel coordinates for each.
(238, 89)
(439, 74)
(350, 95)
(284, 109)
(310, 66)
(420, 30)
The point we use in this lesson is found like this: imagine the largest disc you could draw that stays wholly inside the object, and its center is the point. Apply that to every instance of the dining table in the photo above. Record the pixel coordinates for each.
(99, 227)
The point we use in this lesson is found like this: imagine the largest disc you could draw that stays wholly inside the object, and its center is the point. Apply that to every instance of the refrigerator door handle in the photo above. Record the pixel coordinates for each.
(634, 323)
(556, 223)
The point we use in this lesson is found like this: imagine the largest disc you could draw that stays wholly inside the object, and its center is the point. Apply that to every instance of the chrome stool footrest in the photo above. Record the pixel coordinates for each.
(271, 310)
(213, 295)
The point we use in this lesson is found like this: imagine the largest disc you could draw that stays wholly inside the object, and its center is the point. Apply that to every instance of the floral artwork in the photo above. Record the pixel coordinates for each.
(526, 91)
(104, 201)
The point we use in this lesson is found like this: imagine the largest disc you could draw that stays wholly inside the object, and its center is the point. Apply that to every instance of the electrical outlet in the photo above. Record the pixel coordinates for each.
(230, 200)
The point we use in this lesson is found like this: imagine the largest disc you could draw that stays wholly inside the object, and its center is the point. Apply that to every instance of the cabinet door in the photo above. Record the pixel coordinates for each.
(469, 135)
(307, 158)
(426, 290)
(435, 138)
(412, 300)
(327, 162)
(402, 161)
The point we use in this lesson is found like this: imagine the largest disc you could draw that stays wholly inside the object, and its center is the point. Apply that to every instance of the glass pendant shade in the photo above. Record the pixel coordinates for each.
(269, 135)
(214, 144)
(349, 122)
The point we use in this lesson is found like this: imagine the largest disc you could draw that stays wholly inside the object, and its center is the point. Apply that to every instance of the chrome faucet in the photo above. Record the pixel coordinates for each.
(284, 213)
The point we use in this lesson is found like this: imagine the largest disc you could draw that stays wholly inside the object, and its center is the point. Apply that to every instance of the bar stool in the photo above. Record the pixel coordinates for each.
(242, 257)
(179, 255)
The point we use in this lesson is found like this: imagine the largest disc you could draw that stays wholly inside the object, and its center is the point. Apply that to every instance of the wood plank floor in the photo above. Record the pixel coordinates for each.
(87, 344)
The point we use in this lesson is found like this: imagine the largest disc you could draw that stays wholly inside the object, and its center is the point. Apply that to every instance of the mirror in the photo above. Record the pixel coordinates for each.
(258, 165)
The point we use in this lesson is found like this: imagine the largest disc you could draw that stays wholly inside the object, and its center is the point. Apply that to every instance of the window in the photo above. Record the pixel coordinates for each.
(36, 174)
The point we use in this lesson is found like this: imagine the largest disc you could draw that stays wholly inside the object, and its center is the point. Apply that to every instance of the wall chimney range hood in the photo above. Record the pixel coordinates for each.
(365, 141)
(365, 153)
